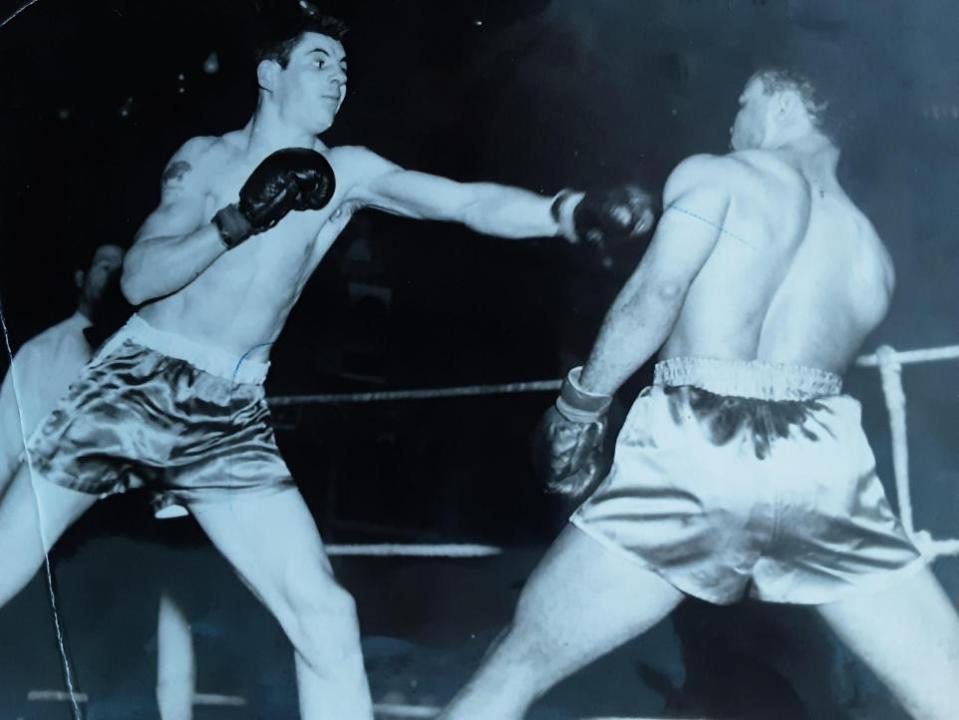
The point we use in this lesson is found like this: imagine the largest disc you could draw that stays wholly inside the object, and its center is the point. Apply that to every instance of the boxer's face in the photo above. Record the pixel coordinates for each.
(751, 126)
(312, 86)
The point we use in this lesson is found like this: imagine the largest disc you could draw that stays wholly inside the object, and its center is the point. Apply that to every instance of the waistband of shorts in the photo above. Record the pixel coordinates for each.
(208, 358)
(748, 378)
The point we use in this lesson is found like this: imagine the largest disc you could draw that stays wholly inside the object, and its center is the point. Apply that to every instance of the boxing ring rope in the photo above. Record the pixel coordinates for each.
(888, 360)
(448, 550)
(422, 394)
(890, 363)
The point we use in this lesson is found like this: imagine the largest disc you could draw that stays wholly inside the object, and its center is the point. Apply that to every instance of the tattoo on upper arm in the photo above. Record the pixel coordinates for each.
(175, 171)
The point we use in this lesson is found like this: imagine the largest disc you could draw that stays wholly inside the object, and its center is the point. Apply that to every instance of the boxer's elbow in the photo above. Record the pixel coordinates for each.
(669, 291)
(654, 291)
(134, 282)
(133, 292)
(652, 301)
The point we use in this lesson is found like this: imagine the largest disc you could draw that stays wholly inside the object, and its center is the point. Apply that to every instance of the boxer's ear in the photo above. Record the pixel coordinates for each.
(787, 104)
(266, 74)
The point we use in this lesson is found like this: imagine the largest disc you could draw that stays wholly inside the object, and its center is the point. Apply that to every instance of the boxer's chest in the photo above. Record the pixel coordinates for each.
(299, 228)
(287, 253)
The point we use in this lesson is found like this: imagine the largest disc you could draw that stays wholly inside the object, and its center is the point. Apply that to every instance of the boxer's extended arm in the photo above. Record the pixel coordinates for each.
(487, 208)
(175, 243)
(644, 312)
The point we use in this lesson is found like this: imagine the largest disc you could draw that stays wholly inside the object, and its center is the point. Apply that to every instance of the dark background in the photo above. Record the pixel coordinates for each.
(96, 96)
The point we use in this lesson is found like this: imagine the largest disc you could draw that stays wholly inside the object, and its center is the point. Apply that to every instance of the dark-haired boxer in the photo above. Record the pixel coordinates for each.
(743, 469)
(174, 401)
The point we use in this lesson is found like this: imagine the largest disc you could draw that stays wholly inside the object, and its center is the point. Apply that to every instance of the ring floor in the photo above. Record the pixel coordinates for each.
(425, 623)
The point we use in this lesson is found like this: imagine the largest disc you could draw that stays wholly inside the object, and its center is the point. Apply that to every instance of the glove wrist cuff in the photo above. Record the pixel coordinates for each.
(232, 225)
(578, 404)
(562, 214)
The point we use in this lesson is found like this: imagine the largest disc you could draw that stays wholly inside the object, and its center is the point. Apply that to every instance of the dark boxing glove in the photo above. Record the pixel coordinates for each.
(604, 218)
(568, 445)
(289, 179)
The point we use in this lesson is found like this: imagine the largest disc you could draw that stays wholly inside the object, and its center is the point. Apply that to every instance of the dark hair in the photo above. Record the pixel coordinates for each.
(778, 79)
(84, 259)
(281, 35)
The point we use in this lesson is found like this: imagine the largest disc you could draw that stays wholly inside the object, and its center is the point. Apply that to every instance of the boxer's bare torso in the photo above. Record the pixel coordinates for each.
(180, 272)
(240, 302)
(185, 281)
(798, 274)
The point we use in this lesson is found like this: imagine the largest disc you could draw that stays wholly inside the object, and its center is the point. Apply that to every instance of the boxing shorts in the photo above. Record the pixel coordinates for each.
(154, 410)
(743, 477)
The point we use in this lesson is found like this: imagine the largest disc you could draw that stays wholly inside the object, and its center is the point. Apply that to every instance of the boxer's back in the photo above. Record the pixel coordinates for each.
(798, 276)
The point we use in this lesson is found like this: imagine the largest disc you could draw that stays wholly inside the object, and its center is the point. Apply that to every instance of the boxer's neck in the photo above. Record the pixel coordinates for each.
(267, 132)
(814, 153)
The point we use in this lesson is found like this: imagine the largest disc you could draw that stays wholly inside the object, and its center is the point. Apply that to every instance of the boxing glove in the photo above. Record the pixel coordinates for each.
(606, 217)
(568, 445)
(287, 180)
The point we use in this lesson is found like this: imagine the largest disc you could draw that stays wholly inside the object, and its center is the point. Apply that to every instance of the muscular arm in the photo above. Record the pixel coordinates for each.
(175, 243)
(487, 208)
(643, 314)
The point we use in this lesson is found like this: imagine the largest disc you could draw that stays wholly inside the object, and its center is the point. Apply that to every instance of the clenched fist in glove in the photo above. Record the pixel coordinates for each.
(568, 446)
(604, 218)
(289, 179)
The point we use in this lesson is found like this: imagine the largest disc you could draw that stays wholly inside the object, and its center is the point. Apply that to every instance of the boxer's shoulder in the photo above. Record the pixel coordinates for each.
(702, 169)
(358, 162)
(357, 168)
(710, 175)
(196, 159)
(198, 149)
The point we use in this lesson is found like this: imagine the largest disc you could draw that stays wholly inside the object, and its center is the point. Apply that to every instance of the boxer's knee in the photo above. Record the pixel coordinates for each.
(323, 626)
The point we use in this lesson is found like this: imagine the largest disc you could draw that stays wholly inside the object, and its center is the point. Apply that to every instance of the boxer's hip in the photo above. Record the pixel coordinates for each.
(724, 471)
(155, 409)
(208, 358)
(752, 403)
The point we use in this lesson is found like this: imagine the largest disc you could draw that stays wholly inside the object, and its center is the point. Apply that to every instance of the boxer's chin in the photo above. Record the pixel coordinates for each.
(323, 119)
(740, 144)
(323, 123)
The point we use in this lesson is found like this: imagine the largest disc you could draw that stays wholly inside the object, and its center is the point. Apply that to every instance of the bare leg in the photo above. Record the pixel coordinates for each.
(273, 543)
(581, 602)
(908, 636)
(176, 665)
(33, 515)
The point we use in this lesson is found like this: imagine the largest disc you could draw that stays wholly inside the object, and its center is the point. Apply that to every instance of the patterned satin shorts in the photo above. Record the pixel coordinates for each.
(186, 421)
(732, 478)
